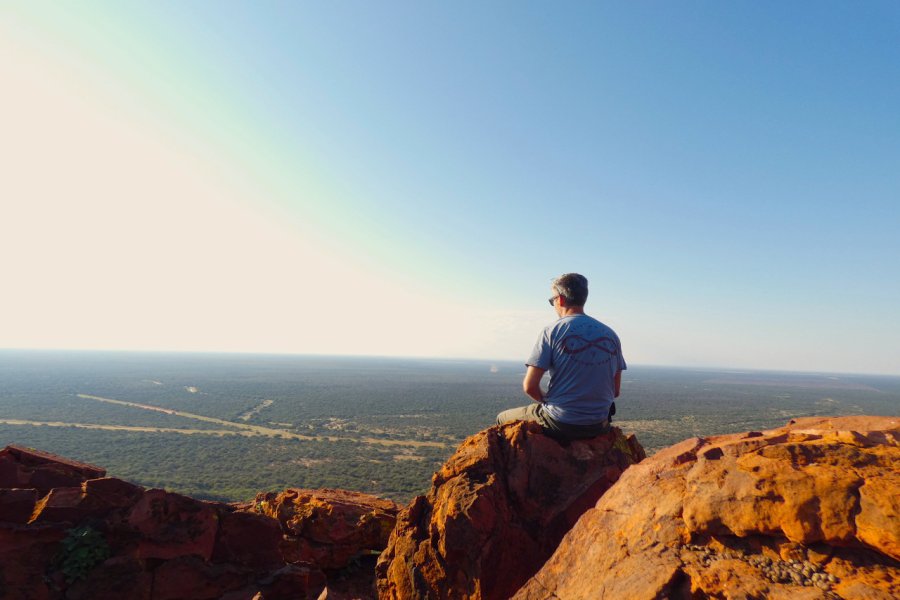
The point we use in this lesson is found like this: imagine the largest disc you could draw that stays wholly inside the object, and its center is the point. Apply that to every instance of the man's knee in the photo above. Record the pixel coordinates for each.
(521, 413)
(508, 416)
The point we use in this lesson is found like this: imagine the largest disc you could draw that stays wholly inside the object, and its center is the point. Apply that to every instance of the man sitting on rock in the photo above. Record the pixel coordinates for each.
(585, 361)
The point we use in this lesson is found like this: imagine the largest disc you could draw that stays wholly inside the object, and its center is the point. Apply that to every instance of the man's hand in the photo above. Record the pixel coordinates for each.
(531, 385)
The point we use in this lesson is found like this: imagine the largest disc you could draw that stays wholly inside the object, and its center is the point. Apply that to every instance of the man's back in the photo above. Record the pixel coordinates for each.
(583, 356)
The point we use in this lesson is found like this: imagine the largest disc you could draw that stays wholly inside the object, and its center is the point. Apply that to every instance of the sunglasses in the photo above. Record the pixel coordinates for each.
(552, 300)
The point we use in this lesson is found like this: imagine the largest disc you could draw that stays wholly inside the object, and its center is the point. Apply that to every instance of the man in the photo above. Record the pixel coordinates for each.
(585, 361)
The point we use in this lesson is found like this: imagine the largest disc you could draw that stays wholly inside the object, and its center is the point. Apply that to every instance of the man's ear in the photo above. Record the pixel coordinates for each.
(562, 300)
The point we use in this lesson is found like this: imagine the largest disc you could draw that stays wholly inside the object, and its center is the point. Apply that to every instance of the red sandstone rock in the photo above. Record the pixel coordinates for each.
(25, 553)
(355, 583)
(798, 512)
(61, 504)
(109, 493)
(329, 527)
(496, 511)
(28, 468)
(94, 498)
(149, 545)
(248, 539)
(172, 525)
(191, 578)
(291, 582)
(16, 505)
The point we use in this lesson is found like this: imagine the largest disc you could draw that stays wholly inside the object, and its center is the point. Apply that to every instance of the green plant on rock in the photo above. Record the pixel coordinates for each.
(81, 550)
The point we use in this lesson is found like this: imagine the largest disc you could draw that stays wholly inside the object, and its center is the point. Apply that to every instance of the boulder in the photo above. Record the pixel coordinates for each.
(329, 528)
(22, 467)
(496, 511)
(109, 493)
(809, 510)
(62, 504)
(248, 539)
(171, 525)
(94, 498)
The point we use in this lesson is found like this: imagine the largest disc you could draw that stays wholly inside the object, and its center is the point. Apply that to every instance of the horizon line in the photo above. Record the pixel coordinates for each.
(429, 358)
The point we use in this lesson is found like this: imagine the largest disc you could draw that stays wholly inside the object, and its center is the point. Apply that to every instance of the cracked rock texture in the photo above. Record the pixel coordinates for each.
(68, 532)
(329, 528)
(496, 511)
(810, 510)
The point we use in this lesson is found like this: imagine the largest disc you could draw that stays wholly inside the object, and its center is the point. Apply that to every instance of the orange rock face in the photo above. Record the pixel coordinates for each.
(806, 511)
(496, 511)
(329, 528)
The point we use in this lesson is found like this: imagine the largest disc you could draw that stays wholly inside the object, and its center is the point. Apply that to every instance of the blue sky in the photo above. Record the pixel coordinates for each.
(405, 179)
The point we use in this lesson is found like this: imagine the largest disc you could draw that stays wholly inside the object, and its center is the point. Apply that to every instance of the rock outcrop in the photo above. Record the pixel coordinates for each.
(26, 468)
(329, 528)
(66, 531)
(810, 510)
(496, 511)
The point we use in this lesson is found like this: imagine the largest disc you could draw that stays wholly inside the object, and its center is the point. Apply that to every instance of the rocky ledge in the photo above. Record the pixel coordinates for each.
(810, 510)
(67, 531)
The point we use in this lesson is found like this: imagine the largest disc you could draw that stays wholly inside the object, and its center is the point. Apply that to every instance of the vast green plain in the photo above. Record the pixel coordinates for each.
(221, 426)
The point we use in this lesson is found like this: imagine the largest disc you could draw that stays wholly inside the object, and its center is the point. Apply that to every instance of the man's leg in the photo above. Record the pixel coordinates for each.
(522, 413)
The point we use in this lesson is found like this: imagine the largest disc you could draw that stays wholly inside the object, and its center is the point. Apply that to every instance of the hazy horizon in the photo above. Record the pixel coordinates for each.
(460, 359)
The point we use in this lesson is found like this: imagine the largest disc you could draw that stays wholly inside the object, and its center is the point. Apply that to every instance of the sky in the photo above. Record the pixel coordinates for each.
(406, 178)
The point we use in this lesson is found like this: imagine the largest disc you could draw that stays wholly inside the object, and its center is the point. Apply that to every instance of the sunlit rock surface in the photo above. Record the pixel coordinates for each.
(809, 510)
(496, 511)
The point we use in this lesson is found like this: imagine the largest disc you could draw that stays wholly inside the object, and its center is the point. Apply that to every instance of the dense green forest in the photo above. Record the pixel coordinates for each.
(381, 426)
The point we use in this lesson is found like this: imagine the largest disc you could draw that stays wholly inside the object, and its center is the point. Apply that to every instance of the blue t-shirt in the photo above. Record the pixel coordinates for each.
(583, 356)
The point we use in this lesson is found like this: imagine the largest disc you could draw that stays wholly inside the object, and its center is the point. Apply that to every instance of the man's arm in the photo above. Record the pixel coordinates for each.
(618, 383)
(531, 385)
